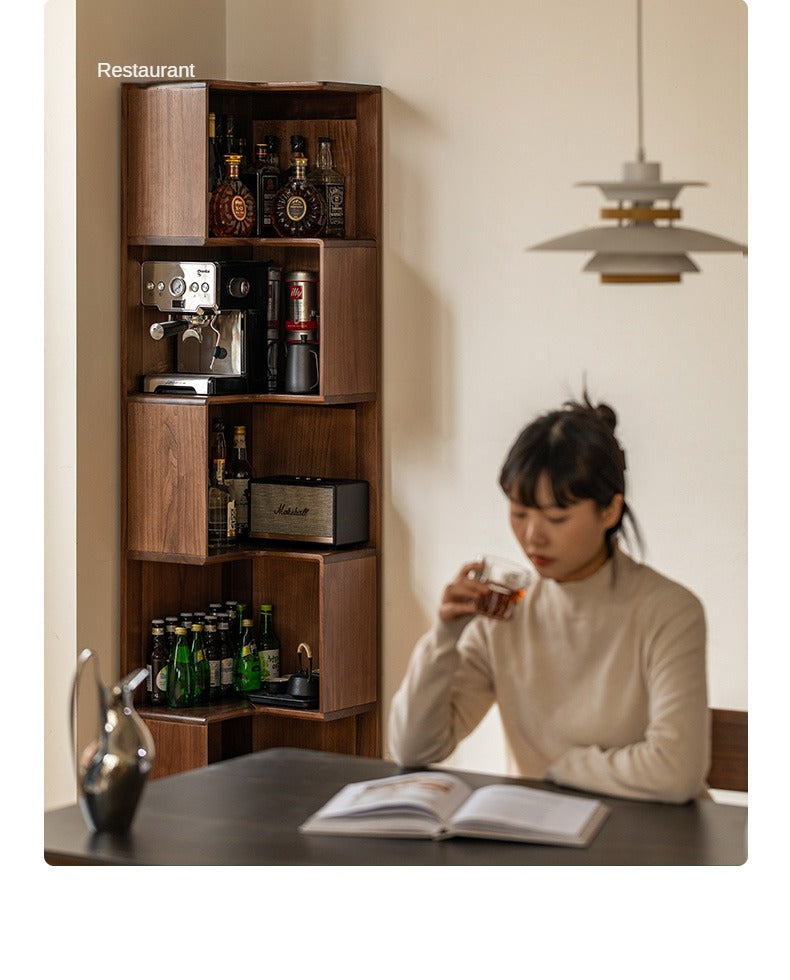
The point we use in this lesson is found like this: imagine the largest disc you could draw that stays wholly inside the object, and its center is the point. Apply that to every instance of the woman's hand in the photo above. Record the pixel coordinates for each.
(460, 596)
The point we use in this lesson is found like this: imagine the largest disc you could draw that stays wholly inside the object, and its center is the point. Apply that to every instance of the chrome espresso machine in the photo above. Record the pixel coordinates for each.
(217, 313)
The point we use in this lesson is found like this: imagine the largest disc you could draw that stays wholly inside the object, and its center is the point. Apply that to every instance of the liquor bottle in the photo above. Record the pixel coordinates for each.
(268, 643)
(158, 655)
(214, 165)
(241, 150)
(228, 137)
(226, 655)
(232, 206)
(234, 623)
(185, 620)
(211, 651)
(298, 149)
(200, 666)
(219, 446)
(332, 187)
(220, 503)
(238, 481)
(170, 632)
(273, 142)
(247, 666)
(299, 210)
(268, 183)
(180, 676)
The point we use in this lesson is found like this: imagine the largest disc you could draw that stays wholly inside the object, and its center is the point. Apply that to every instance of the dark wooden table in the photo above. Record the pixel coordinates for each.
(246, 811)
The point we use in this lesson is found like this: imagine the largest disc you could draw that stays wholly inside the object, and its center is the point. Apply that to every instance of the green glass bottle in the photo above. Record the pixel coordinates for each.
(200, 665)
(268, 643)
(180, 676)
(247, 666)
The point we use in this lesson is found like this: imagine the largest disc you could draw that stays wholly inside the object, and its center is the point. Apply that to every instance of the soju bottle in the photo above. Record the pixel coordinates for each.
(200, 666)
(180, 675)
(247, 666)
(268, 643)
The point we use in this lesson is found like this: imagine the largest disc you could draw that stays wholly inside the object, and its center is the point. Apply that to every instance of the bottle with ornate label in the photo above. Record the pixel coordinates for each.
(158, 656)
(299, 210)
(268, 643)
(238, 480)
(247, 666)
(332, 186)
(232, 206)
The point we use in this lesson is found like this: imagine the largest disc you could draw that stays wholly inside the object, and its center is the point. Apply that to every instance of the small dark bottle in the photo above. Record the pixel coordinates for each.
(158, 656)
(212, 654)
(170, 632)
(234, 623)
(226, 649)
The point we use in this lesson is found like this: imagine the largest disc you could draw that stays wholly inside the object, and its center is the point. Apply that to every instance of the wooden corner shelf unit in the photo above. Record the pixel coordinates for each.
(326, 597)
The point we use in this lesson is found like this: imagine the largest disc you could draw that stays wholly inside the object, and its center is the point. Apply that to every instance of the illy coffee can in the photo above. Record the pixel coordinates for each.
(301, 305)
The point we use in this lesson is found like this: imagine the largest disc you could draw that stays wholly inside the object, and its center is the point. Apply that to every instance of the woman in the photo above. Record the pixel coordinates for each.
(600, 673)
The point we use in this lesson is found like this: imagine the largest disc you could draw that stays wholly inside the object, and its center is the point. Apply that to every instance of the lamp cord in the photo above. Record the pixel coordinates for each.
(640, 153)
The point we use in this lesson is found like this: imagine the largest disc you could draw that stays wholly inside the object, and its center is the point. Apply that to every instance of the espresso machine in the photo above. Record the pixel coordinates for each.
(218, 317)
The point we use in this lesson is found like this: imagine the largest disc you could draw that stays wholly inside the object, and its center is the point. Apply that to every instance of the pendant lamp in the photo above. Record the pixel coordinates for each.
(637, 249)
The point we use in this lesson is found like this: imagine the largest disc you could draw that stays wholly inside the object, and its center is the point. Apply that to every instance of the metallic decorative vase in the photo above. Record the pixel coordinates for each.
(112, 770)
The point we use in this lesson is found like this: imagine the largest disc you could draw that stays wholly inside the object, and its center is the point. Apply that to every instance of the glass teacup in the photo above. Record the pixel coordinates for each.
(507, 581)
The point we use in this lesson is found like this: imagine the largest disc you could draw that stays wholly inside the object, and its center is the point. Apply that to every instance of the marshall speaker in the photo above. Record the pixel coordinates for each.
(309, 509)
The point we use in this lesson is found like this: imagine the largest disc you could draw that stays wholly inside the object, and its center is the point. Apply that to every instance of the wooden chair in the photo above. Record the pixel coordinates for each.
(729, 750)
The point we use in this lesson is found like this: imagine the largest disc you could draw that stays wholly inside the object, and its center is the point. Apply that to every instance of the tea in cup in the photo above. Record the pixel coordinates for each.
(507, 582)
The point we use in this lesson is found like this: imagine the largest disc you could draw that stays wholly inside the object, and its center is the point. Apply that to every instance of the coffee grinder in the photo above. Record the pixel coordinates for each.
(217, 317)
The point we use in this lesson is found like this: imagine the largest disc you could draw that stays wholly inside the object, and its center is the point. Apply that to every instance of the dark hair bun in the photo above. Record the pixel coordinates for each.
(607, 415)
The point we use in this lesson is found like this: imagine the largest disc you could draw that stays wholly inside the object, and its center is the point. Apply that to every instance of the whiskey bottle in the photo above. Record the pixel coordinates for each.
(221, 511)
(268, 183)
(232, 206)
(299, 210)
(238, 481)
(332, 187)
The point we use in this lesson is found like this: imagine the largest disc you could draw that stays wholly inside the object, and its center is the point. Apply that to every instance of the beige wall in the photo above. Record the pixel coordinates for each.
(82, 499)
(488, 123)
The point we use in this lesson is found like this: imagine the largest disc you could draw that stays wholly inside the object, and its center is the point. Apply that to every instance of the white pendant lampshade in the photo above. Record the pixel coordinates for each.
(644, 246)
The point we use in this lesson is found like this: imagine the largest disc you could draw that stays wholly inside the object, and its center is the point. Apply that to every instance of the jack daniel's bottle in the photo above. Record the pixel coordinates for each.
(232, 207)
(332, 187)
(299, 210)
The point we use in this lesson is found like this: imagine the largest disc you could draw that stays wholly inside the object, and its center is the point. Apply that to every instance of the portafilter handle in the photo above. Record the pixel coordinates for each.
(169, 328)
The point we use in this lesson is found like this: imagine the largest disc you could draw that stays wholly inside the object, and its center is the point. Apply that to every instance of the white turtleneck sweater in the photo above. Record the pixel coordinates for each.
(601, 685)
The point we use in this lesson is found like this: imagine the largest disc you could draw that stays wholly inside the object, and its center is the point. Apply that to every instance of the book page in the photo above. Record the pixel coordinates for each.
(520, 807)
(438, 794)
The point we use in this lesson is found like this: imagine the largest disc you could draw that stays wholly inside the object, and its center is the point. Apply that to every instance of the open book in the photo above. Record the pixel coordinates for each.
(439, 805)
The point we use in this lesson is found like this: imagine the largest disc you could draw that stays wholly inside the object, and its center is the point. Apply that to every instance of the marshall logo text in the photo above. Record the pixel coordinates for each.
(291, 511)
